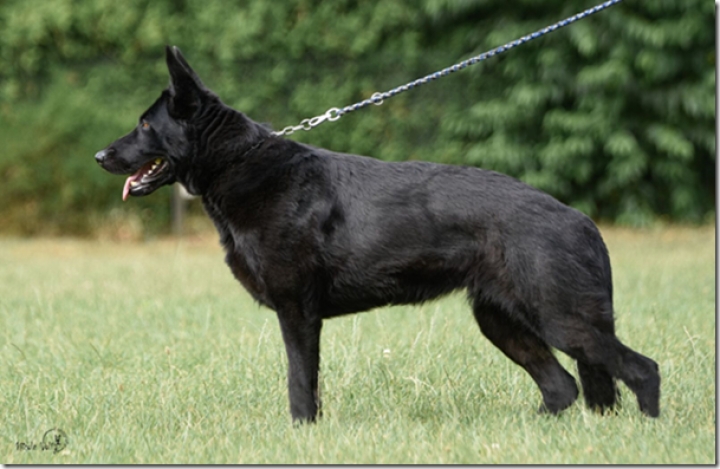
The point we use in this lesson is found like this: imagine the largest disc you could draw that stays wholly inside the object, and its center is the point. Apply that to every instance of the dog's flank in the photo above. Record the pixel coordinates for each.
(314, 234)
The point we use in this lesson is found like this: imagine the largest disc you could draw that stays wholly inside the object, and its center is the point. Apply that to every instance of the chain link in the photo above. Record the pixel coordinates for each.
(378, 98)
(331, 114)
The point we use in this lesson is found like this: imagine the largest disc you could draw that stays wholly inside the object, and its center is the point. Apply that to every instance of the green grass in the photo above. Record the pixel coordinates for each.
(152, 353)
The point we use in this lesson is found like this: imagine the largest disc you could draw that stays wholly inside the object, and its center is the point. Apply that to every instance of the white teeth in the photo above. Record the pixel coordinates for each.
(154, 166)
(134, 183)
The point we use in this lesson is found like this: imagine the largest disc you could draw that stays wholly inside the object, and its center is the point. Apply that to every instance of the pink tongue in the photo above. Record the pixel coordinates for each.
(126, 187)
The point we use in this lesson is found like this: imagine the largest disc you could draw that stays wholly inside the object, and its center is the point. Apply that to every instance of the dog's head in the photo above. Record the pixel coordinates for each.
(157, 149)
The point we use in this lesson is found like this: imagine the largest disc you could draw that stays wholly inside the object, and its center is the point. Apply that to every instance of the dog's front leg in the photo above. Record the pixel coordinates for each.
(301, 334)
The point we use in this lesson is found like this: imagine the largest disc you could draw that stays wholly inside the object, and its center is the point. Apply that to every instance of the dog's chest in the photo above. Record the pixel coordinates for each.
(246, 269)
(242, 254)
(245, 258)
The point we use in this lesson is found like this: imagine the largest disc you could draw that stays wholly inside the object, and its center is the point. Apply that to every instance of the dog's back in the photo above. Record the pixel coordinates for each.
(379, 233)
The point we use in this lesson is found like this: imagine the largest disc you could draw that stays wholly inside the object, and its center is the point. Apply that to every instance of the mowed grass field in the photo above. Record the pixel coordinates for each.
(153, 353)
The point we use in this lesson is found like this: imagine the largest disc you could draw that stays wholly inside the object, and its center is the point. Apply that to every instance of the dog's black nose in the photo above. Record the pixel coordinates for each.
(103, 154)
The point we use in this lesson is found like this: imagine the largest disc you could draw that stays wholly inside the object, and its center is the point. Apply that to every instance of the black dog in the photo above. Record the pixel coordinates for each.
(314, 234)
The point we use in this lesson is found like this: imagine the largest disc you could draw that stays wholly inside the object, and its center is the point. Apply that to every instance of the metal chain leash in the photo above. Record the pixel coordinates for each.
(378, 98)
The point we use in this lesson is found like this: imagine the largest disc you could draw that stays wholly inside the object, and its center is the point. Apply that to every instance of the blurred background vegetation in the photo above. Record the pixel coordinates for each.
(614, 115)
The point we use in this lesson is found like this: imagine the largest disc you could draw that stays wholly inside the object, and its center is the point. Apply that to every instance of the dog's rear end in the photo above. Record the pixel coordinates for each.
(314, 234)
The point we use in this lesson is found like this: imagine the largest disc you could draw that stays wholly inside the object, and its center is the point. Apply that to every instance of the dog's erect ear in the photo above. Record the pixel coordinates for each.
(186, 88)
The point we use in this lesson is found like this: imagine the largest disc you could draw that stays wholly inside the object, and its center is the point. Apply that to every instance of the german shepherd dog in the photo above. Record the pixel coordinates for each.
(314, 234)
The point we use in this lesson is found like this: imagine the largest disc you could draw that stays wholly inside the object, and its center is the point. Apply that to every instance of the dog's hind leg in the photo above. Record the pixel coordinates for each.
(302, 344)
(642, 376)
(603, 355)
(598, 385)
(525, 348)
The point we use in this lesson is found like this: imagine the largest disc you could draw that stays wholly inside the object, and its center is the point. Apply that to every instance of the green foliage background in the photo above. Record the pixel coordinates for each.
(614, 115)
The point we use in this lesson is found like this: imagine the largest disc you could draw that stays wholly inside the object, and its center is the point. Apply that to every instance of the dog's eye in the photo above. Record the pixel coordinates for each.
(145, 125)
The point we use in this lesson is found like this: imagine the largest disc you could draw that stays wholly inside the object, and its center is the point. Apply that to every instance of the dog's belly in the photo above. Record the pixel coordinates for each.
(354, 300)
(395, 281)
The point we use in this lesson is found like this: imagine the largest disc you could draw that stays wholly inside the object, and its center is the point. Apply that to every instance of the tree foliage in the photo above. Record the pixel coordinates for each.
(613, 115)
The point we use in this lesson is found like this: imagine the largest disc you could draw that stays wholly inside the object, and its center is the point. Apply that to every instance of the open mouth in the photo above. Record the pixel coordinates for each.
(149, 177)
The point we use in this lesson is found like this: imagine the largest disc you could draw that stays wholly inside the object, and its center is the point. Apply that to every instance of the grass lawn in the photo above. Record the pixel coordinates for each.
(152, 353)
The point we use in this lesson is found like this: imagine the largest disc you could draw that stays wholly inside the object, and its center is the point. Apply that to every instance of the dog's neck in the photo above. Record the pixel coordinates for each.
(219, 151)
